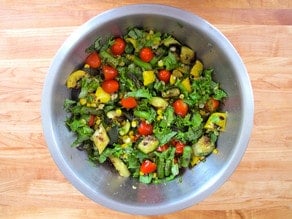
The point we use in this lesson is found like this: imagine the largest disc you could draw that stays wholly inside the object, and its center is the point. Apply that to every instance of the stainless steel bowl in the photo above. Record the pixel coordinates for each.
(101, 183)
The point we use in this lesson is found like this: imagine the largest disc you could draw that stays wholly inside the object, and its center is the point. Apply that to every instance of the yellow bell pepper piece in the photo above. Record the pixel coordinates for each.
(187, 85)
(148, 77)
(74, 77)
(102, 96)
(197, 69)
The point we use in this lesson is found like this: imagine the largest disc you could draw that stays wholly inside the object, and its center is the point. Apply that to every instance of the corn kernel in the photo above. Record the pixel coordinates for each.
(160, 112)
(82, 101)
(160, 63)
(159, 118)
(126, 139)
(134, 123)
(86, 66)
(118, 112)
(215, 151)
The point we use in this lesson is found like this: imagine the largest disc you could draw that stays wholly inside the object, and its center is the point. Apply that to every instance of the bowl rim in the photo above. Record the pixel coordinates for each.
(178, 14)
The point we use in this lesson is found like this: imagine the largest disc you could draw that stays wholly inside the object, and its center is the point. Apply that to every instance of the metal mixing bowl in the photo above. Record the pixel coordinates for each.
(103, 184)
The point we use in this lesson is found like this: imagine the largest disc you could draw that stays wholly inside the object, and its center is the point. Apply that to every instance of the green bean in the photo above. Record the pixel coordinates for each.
(160, 167)
(139, 62)
(186, 156)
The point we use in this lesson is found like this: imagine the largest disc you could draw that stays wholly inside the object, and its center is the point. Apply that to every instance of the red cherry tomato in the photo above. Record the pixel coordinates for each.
(180, 107)
(164, 75)
(212, 105)
(146, 54)
(93, 60)
(118, 47)
(162, 148)
(147, 167)
(145, 128)
(91, 120)
(129, 102)
(179, 147)
(110, 86)
(109, 72)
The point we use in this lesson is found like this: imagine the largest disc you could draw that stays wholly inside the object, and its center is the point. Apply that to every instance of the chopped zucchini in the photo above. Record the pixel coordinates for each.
(125, 128)
(158, 102)
(100, 138)
(173, 92)
(148, 144)
(203, 147)
(120, 166)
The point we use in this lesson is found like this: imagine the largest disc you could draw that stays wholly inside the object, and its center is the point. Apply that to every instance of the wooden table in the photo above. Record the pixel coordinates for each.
(31, 185)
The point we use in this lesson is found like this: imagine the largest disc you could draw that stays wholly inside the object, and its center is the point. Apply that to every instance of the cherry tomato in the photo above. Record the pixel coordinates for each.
(91, 120)
(145, 128)
(110, 86)
(93, 60)
(147, 167)
(180, 107)
(129, 102)
(164, 75)
(118, 46)
(146, 54)
(162, 148)
(109, 72)
(212, 105)
(179, 147)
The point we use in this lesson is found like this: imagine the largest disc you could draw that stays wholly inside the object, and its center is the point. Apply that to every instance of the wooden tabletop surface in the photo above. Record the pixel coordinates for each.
(31, 185)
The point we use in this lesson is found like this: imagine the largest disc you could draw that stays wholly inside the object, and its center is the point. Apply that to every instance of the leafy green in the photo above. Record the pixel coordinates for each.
(170, 61)
(140, 93)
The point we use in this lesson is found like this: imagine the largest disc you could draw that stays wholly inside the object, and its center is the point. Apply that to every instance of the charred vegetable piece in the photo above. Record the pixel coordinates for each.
(186, 55)
(100, 138)
(217, 121)
(148, 144)
(120, 166)
(203, 147)
(158, 102)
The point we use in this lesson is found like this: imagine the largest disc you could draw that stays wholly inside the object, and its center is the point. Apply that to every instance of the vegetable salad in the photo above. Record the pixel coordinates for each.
(144, 103)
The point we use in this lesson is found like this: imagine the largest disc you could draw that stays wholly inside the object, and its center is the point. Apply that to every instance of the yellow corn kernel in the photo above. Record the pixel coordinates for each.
(82, 101)
(126, 139)
(134, 123)
(215, 151)
(160, 63)
(118, 112)
(160, 112)
(159, 118)
(91, 105)
(86, 66)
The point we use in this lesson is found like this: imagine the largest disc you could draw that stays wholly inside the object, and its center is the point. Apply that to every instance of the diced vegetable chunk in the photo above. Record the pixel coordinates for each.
(120, 166)
(203, 147)
(100, 138)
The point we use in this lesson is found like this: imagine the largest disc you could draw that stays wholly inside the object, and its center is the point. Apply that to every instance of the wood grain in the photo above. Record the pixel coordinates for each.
(31, 186)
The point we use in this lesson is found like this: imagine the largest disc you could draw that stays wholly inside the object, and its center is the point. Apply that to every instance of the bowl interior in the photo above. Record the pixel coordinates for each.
(101, 183)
